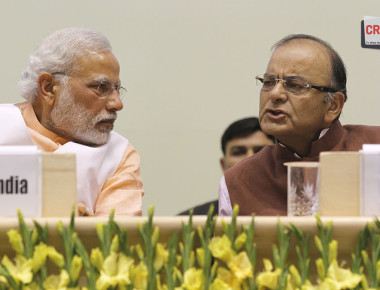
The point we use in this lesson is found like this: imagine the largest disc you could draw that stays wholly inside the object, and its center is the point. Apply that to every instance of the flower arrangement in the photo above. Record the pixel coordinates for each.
(222, 262)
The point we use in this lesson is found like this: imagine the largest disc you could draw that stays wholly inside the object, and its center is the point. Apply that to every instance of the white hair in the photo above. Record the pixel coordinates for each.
(59, 52)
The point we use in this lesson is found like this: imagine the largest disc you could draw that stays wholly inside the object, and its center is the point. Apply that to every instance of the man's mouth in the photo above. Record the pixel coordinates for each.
(107, 122)
(275, 113)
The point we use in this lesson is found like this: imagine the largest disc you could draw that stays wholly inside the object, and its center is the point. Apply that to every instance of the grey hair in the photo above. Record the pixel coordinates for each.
(328, 97)
(59, 52)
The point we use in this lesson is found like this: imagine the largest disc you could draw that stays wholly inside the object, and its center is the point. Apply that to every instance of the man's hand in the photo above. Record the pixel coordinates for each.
(82, 210)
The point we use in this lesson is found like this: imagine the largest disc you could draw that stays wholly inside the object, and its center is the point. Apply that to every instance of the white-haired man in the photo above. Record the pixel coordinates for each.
(73, 94)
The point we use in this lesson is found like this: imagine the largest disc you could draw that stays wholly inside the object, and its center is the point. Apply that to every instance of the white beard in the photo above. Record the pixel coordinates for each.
(74, 122)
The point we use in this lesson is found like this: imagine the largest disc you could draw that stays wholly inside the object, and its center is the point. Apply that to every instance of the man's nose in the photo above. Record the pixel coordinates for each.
(250, 153)
(278, 93)
(114, 102)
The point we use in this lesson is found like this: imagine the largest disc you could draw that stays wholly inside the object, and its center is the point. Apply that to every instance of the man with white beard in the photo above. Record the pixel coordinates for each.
(73, 94)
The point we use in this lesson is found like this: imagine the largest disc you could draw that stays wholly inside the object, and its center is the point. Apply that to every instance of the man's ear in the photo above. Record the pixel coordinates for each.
(222, 164)
(46, 85)
(335, 107)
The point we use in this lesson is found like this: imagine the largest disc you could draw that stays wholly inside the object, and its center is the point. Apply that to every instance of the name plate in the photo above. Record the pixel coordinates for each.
(20, 181)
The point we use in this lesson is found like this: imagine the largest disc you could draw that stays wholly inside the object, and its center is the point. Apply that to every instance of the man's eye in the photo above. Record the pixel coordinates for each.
(239, 151)
(104, 88)
(257, 148)
(295, 85)
(269, 83)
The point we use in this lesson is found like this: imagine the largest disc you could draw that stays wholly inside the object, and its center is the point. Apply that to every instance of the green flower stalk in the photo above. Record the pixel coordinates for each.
(149, 237)
(251, 249)
(91, 275)
(356, 258)
(23, 244)
(302, 251)
(105, 234)
(26, 236)
(187, 246)
(122, 238)
(205, 257)
(370, 261)
(322, 242)
(170, 266)
(230, 229)
(70, 244)
(280, 255)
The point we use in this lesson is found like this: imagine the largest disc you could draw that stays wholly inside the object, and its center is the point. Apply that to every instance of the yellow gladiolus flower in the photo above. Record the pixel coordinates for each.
(294, 277)
(333, 250)
(58, 282)
(341, 278)
(151, 210)
(161, 257)
(159, 286)
(39, 256)
(15, 240)
(308, 286)
(224, 226)
(115, 244)
(100, 229)
(193, 279)
(76, 266)
(97, 258)
(364, 283)
(178, 260)
(228, 278)
(268, 278)
(21, 270)
(60, 226)
(56, 257)
(35, 235)
(267, 265)
(41, 252)
(220, 247)
(320, 268)
(235, 210)
(218, 284)
(177, 273)
(240, 240)
(155, 235)
(3, 280)
(364, 256)
(318, 243)
(200, 256)
(31, 286)
(378, 270)
(139, 251)
(115, 271)
(140, 276)
(241, 266)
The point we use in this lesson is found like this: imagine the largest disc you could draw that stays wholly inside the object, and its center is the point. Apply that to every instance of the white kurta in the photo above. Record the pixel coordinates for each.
(94, 164)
